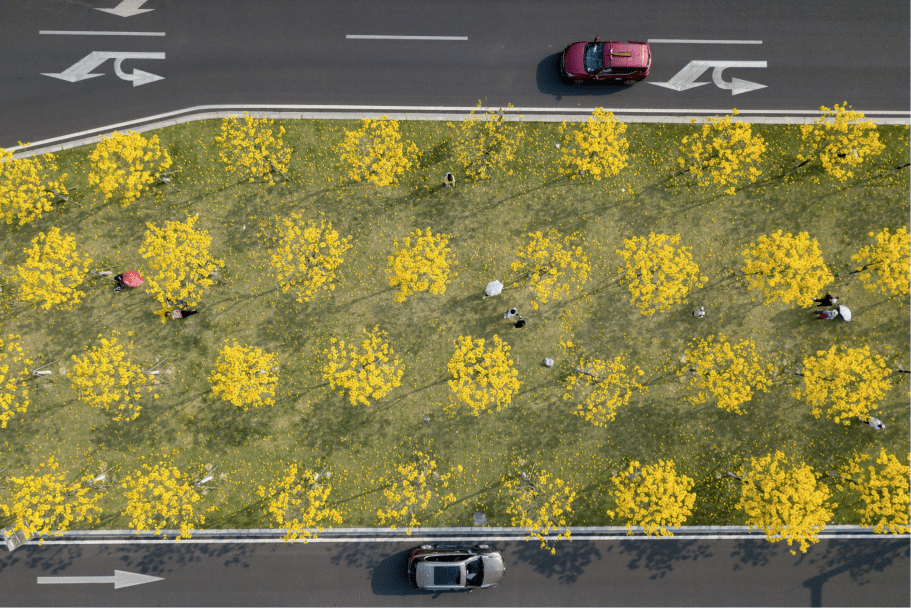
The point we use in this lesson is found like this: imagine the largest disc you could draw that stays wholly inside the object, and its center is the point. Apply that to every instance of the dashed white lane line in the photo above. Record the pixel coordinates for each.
(87, 33)
(377, 37)
(674, 41)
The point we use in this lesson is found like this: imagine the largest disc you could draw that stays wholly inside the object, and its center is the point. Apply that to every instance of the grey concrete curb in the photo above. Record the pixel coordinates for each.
(417, 535)
(429, 113)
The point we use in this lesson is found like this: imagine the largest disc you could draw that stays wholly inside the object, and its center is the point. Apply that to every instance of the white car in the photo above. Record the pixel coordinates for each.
(455, 567)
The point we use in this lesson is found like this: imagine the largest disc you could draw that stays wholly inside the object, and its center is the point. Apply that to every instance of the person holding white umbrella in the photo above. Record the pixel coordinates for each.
(494, 288)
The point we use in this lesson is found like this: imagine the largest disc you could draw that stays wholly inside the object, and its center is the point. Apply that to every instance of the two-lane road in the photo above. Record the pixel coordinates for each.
(299, 52)
(635, 572)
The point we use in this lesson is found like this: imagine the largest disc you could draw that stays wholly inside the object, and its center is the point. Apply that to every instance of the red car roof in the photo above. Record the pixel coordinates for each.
(626, 54)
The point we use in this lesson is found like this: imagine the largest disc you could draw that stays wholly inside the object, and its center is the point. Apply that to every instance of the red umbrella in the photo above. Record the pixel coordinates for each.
(132, 279)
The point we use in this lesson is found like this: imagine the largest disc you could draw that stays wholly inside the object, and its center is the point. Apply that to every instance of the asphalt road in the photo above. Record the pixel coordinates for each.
(296, 52)
(639, 572)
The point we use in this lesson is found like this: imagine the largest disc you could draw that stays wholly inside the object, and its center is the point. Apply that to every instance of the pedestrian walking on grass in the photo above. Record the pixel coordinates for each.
(510, 313)
(875, 423)
(827, 300)
(520, 323)
(699, 312)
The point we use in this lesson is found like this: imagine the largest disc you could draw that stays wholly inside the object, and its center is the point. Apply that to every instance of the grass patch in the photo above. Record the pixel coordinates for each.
(312, 424)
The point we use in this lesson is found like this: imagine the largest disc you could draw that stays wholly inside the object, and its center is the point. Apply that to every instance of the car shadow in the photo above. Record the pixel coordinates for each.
(549, 82)
(389, 577)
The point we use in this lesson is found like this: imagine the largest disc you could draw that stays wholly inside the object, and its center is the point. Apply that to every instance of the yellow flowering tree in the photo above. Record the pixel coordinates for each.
(13, 372)
(308, 257)
(655, 497)
(422, 264)
(160, 496)
(126, 164)
(485, 143)
(840, 140)
(596, 149)
(410, 487)
(368, 371)
(539, 503)
(554, 266)
(599, 388)
(244, 376)
(845, 382)
(376, 152)
(722, 154)
(883, 487)
(53, 271)
(784, 500)
(890, 258)
(787, 267)
(658, 270)
(49, 501)
(108, 377)
(297, 501)
(182, 262)
(727, 373)
(484, 377)
(28, 186)
(252, 148)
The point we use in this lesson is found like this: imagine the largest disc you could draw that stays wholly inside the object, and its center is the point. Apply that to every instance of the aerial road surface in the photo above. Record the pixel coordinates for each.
(69, 67)
(682, 571)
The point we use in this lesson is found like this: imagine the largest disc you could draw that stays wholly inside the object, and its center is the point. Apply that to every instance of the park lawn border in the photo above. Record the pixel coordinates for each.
(410, 194)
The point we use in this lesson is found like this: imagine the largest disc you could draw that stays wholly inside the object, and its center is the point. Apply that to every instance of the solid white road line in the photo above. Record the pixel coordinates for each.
(352, 112)
(372, 37)
(415, 539)
(75, 33)
(672, 41)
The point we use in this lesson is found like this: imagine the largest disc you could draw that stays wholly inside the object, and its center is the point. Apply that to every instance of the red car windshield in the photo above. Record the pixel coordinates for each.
(594, 56)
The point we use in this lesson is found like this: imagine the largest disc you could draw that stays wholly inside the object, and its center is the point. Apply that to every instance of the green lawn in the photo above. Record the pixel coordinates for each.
(314, 425)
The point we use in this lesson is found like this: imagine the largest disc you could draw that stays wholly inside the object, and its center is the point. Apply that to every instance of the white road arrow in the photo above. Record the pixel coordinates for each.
(120, 579)
(81, 70)
(685, 78)
(127, 8)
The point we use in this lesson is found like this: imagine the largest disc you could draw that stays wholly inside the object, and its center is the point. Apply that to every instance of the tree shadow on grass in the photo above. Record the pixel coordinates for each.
(224, 424)
(334, 423)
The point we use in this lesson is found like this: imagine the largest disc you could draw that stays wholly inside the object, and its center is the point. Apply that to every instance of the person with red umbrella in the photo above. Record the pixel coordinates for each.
(131, 278)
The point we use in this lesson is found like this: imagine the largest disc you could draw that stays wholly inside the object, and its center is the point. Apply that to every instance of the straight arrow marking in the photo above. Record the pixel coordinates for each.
(120, 579)
(127, 8)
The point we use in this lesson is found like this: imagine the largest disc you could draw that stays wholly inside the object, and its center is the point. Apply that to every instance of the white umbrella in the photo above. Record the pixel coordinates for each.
(845, 312)
(493, 288)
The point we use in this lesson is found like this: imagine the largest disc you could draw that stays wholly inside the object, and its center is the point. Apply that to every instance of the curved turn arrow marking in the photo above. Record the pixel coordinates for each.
(81, 70)
(120, 579)
(686, 78)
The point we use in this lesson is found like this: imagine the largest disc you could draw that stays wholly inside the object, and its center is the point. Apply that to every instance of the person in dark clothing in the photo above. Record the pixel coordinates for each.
(520, 323)
(182, 314)
(828, 300)
(118, 282)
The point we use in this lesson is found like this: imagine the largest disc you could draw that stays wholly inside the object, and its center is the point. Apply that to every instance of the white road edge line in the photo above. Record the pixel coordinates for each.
(419, 539)
(351, 112)
(373, 37)
(671, 41)
(85, 33)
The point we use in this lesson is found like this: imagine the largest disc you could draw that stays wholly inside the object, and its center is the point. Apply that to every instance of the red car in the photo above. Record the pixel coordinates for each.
(608, 62)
